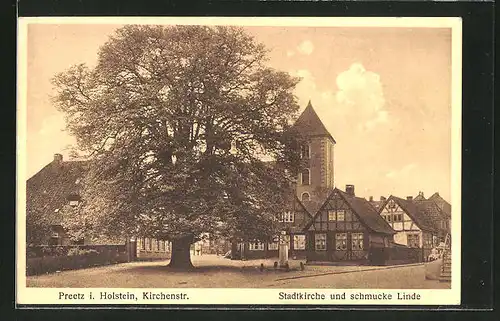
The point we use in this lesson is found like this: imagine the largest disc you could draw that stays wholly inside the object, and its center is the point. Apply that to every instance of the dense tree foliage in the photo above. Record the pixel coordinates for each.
(188, 131)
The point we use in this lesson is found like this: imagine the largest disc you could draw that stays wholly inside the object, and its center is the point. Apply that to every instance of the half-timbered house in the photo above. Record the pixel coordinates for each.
(415, 222)
(53, 194)
(290, 229)
(445, 214)
(345, 228)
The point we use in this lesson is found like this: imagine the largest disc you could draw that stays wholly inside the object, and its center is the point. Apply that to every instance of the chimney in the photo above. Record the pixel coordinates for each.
(382, 198)
(58, 158)
(409, 198)
(371, 198)
(421, 194)
(349, 189)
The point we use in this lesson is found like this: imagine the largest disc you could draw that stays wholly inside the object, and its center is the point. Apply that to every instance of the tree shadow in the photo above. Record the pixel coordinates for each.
(250, 270)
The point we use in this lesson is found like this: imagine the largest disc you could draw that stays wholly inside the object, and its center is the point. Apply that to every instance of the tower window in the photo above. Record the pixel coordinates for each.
(305, 176)
(305, 197)
(305, 151)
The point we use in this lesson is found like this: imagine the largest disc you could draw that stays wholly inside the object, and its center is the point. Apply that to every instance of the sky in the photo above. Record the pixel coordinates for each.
(383, 93)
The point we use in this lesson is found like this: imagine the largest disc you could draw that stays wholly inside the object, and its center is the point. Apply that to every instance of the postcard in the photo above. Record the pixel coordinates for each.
(227, 160)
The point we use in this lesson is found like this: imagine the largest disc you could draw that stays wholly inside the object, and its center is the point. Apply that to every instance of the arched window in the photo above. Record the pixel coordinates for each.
(305, 197)
(305, 177)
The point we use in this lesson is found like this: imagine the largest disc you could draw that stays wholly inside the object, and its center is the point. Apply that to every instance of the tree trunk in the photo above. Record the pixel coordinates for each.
(181, 254)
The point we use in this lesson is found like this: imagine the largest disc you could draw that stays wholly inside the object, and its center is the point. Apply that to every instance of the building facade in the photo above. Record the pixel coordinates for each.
(346, 228)
(54, 193)
(290, 224)
(418, 223)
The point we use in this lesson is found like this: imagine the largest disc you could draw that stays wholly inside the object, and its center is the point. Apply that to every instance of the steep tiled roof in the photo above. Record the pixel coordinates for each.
(419, 197)
(313, 205)
(431, 211)
(47, 191)
(417, 213)
(300, 207)
(309, 124)
(366, 213)
(442, 203)
(376, 204)
(294, 204)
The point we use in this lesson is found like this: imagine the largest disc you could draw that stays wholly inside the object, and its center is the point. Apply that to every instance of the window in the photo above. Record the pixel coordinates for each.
(305, 197)
(149, 244)
(143, 243)
(331, 215)
(256, 246)
(389, 218)
(320, 241)
(357, 241)
(157, 245)
(305, 177)
(340, 215)
(427, 240)
(413, 240)
(304, 151)
(391, 205)
(341, 241)
(398, 217)
(299, 242)
(167, 246)
(435, 240)
(274, 244)
(288, 217)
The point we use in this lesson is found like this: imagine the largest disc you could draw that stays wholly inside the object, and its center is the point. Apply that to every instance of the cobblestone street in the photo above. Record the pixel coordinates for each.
(217, 272)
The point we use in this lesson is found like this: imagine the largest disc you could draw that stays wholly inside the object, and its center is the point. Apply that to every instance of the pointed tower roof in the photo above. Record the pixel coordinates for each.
(309, 124)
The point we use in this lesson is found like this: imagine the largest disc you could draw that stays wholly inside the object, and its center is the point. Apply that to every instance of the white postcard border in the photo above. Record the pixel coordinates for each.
(25, 295)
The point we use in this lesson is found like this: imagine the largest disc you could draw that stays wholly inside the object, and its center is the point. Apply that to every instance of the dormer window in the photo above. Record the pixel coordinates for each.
(74, 200)
(305, 197)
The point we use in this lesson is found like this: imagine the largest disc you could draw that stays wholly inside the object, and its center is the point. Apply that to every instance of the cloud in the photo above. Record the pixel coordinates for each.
(306, 47)
(308, 90)
(402, 172)
(360, 92)
(357, 102)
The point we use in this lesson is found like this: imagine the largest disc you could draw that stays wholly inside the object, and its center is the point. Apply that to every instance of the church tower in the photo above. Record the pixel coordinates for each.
(316, 153)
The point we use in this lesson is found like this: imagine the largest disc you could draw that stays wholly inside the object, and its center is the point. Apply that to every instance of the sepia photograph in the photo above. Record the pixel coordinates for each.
(239, 160)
